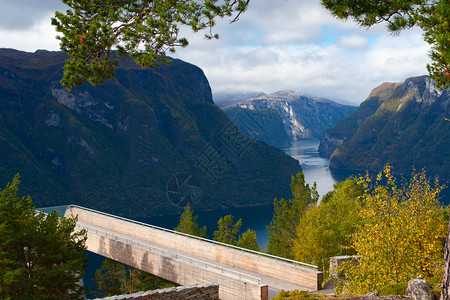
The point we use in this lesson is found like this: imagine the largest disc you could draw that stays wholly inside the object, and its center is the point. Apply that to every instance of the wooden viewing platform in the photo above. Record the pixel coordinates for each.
(185, 259)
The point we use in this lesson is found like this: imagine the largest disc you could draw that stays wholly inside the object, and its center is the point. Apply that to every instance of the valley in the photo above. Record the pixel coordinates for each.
(145, 143)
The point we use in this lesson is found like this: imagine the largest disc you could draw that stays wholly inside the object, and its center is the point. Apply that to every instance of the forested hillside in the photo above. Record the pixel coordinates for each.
(403, 124)
(144, 143)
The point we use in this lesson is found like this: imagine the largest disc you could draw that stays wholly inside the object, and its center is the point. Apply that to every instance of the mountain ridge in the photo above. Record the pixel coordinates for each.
(302, 117)
(400, 123)
(144, 143)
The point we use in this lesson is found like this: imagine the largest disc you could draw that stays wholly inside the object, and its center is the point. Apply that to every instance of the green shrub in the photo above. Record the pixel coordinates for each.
(398, 288)
(298, 295)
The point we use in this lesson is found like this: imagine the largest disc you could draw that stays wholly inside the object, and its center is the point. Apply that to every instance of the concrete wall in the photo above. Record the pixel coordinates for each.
(198, 292)
(308, 278)
(176, 270)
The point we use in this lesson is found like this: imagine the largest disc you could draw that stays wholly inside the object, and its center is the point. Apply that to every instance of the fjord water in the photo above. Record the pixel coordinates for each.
(315, 169)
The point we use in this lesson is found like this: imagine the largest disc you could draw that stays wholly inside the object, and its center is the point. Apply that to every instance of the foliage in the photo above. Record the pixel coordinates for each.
(392, 126)
(248, 240)
(397, 288)
(114, 278)
(430, 16)
(227, 232)
(325, 230)
(282, 230)
(111, 278)
(401, 235)
(436, 281)
(41, 256)
(145, 30)
(298, 295)
(125, 170)
(436, 24)
(268, 128)
(188, 223)
(267, 125)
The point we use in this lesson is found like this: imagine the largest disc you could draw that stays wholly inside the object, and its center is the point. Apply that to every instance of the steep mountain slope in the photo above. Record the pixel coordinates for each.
(229, 97)
(263, 125)
(144, 143)
(400, 123)
(303, 117)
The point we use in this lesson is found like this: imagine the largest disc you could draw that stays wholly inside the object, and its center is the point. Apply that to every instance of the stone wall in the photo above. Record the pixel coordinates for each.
(198, 291)
(336, 261)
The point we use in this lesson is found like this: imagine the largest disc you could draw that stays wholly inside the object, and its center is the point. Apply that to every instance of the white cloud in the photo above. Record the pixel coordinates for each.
(39, 36)
(24, 14)
(276, 44)
(312, 53)
(353, 42)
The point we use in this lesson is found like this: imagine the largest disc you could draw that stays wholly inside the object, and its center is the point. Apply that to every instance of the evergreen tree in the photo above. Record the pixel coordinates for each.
(145, 30)
(248, 240)
(138, 280)
(433, 17)
(188, 223)
(111, 278)
(41, 256)
(287, 214)
(114, 278)
(227, 232)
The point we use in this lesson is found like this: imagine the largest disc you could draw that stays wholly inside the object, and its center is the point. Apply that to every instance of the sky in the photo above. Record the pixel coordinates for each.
(275, 45)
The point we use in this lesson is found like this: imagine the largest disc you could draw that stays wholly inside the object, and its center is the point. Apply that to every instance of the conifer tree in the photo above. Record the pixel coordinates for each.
(114, 278)
(144, 30)
(227, 232)
(287, 214)
(188, 223)
(433, 17)
(41, 255)
(111, 278)
(248, 240)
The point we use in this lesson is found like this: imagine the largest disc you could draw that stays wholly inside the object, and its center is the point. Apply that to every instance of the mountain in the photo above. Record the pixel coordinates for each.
(294, 116)
(262, 125)
(144, 143)
(403, 124)
(229, 96)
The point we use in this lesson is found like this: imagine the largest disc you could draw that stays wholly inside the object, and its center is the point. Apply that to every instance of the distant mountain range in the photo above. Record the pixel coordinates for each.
(145, 143)
(281, 117)
(404, 124)
(229, 97)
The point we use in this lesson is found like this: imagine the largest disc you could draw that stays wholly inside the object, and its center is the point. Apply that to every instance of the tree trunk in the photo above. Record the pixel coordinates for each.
(445, 289)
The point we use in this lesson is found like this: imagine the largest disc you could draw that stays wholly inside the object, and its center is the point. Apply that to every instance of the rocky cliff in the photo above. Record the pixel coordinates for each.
(403, 124)
(302, 117)
(145, 143)
(229, 96)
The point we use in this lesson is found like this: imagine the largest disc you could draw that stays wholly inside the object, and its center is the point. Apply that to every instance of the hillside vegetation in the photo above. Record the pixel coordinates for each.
(144, 143)
(403, 124)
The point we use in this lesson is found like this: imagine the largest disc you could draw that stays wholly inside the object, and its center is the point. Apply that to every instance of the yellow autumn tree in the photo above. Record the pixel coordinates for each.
(401, 235)
(325, 229)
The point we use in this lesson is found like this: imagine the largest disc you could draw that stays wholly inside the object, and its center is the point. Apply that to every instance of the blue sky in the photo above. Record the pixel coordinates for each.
(276, 44)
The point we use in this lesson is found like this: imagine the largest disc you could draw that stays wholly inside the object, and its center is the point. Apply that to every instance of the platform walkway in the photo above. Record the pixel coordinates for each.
(185, 259)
